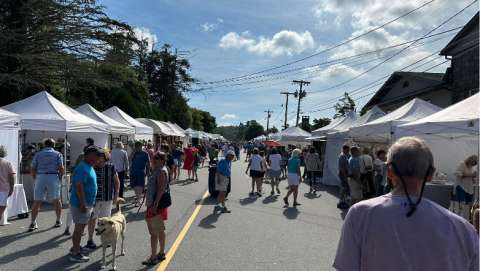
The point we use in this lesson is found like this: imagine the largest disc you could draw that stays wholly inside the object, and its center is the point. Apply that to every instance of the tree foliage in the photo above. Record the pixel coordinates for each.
(72, 49)
(345, 104)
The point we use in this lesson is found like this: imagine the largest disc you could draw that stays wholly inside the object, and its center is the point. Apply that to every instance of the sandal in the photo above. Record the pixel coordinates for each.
(150, 261)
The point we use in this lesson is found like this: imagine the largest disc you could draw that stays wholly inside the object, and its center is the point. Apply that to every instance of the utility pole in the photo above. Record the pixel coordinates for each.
(269, 114)
(300, 95)
(286, 93)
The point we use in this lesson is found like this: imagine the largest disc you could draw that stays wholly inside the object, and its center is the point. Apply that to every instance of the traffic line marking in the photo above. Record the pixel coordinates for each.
(171, 252)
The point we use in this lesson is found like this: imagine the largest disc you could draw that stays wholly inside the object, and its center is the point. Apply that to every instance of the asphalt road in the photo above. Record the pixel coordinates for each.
(259, 234)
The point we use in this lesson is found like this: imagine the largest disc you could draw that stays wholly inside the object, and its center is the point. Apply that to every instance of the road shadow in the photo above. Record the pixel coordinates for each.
(183, 182)
(270, 199)
(330, 189)
(248, 200)
(4, 241)
(291, 213)
(134, 216)
(209, 221)
(34, 249)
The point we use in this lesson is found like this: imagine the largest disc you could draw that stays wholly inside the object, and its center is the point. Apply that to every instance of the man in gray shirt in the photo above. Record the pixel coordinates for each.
(401, 231)
(119, 159)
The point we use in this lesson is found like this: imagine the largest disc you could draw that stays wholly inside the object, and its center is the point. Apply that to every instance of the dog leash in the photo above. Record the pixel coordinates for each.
(143, 201)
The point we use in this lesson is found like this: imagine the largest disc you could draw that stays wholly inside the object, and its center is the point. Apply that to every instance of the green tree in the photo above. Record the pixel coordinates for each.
(253, 129)
(345, 104)
(272, 130)
(319, 123)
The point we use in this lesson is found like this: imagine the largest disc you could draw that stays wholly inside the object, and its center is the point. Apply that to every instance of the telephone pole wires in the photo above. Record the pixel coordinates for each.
(300, 95)
(286, 93)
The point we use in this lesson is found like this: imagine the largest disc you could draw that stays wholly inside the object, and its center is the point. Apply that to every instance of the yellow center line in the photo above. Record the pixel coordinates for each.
(171, 252)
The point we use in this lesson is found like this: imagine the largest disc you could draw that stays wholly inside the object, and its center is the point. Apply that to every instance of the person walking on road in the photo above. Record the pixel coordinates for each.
(177, 158)
(257, 167)
(188, 162)
(120, 162)
(401, 231)
(222, 179)
(354, 180)
(313, 165)
(157, 213)
(47, 171)
(343, 172)
(274, 160)
(82, 199)
(380, 166)
(7, 180)
(294, 177)
(108, 186)
(139, 168)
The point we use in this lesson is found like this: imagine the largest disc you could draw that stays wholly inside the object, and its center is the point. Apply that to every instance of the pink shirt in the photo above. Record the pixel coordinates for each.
(377, 236)
(6, 169)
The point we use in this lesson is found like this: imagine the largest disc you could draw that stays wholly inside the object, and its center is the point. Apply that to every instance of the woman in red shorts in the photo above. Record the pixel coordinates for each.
(155, 215)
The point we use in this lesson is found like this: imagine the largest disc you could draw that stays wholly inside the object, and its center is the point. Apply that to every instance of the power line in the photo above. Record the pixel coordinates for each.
(327, 63)
(327, 49)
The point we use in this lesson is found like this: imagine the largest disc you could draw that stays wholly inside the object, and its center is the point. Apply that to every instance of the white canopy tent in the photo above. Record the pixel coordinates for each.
(260, 138)
(9, 127)
(42, 115)
(336, 140)
(382, 130)
(142, 131)
(294, 136)
(114, 126)
(159, 127)
(177, 129)
(452, 133)
(337, 124)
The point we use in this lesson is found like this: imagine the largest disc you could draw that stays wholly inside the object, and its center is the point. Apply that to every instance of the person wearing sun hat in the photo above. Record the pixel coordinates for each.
(222, 179)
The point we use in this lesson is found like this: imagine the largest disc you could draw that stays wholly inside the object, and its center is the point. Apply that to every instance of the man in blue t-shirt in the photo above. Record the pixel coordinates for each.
(222, 179)
(82, 198)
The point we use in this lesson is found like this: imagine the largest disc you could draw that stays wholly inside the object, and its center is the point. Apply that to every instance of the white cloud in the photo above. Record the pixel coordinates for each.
(143, 33)
(284, 42)
(339, 71)
(208, 27)
(229, 117)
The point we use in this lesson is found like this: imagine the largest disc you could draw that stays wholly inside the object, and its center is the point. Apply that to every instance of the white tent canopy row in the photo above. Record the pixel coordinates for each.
(335, 141)
(452, 133)
(42, 115)
(160, 127)
(338, 124)
(114, 126)
(9, 127)
(142, 131)
(383, 130)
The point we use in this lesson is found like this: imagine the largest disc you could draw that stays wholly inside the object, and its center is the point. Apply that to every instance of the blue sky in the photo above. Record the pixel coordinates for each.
(233, 38)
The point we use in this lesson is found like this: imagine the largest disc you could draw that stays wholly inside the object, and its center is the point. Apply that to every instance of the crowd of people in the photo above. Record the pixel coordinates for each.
(376, 190)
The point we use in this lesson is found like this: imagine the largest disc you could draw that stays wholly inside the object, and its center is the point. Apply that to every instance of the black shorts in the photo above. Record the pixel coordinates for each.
(256, 174)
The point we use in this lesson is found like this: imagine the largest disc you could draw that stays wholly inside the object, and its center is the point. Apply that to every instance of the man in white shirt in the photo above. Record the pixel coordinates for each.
(275, 171)
(366, 174)
(400, 231)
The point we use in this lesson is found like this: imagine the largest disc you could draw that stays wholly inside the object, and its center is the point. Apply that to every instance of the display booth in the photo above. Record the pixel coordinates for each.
(452, 134)
(163, 132)
(43, 116)
(9, 128)
(294, 136)
(335, 141)
(118, 131)
(142, 131)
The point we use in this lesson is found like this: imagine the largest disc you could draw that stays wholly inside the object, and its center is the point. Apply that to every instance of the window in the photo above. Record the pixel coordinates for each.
(406, 84)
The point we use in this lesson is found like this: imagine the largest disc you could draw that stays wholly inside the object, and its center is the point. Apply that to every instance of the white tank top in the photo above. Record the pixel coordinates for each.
(256, 162)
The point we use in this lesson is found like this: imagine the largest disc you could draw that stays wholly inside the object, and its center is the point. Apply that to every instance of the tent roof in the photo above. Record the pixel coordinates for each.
(369, 116)
(159, 127)
(120, 116)
(383, 126)
(178, 131)
(338, 124)
(294, 131)
(460, 118)
(115, 126)
(9, 120)
(44, 112)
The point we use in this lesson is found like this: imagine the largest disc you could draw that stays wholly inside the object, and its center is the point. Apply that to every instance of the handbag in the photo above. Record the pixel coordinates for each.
(165, 200)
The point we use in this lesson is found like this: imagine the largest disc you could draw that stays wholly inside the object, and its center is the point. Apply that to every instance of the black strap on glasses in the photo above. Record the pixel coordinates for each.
(412, 205)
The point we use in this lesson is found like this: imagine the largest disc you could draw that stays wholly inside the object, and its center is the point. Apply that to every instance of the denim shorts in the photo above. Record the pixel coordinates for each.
(47, 187)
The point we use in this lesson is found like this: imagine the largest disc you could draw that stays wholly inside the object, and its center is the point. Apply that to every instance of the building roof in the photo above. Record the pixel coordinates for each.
(471, 25)
(433, 80)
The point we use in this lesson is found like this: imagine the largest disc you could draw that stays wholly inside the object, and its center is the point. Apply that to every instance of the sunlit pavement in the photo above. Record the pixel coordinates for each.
(259, 234)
